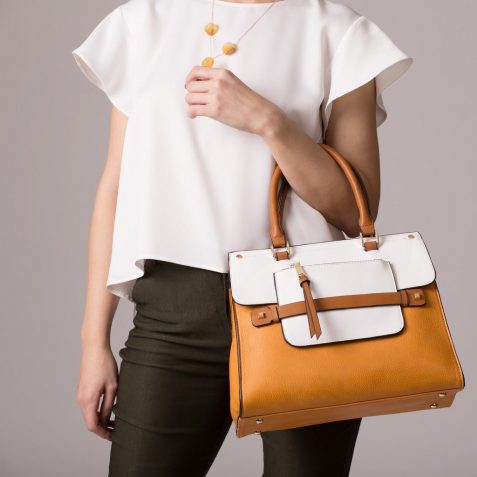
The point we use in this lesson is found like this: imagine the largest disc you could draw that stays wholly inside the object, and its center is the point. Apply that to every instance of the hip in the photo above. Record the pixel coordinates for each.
(181, 315)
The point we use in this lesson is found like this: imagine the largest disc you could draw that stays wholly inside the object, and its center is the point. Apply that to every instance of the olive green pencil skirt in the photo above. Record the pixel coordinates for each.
(172, 405)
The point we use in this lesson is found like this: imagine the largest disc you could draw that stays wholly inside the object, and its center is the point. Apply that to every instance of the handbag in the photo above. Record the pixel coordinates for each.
(337, 329)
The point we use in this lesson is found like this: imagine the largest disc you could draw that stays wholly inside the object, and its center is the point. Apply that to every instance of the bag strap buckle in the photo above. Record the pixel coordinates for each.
(367, 241)
(277, 250)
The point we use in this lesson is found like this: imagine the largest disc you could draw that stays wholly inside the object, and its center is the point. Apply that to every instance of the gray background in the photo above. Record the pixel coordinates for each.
(53, 134)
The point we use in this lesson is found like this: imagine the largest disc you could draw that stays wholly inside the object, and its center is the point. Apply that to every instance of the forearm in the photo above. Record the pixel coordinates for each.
(100, 304)
(310, 171)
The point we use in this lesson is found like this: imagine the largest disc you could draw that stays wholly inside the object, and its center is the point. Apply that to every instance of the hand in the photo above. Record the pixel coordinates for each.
(98, 376)
(219, 94)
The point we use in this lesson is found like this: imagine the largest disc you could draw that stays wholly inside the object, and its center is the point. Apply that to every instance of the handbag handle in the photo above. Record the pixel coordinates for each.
(366, 223)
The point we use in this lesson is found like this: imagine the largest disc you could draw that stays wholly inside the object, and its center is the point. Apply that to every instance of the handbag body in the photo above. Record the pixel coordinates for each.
(336, 330)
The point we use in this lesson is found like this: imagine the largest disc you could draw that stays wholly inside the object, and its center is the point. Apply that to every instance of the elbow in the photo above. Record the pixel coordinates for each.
(351, 226)
(351, 231)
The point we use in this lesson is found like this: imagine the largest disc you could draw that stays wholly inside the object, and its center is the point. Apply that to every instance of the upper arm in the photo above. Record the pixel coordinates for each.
(352, 132)
(363, 64)
(117, 130)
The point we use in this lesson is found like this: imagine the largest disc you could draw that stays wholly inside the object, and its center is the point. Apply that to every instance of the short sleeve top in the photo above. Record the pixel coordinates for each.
(193, 189)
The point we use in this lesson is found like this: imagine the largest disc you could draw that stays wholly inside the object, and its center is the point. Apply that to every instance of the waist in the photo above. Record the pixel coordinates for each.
(152, 264)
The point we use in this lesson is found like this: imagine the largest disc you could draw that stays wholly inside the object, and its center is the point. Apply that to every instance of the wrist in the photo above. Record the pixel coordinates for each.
(95, 344)
(273, 122)
(95, 340)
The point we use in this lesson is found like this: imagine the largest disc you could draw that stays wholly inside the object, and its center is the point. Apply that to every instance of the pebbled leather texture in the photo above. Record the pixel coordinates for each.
(336, 363)
(289, 386)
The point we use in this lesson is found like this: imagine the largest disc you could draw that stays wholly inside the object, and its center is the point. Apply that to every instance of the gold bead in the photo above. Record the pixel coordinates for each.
(211, 28)
(208, 61)
(229, 48)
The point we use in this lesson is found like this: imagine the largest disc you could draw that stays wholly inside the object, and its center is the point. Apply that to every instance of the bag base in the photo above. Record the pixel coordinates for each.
(415, 369)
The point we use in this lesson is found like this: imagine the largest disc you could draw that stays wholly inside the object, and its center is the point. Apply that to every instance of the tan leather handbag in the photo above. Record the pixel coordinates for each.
(336, 330)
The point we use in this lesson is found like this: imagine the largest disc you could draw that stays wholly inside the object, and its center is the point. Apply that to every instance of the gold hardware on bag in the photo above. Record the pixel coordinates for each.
(264, 316)
(274, 250)
(298, 267)
(368, 239)
(268, 314)
(285, 382)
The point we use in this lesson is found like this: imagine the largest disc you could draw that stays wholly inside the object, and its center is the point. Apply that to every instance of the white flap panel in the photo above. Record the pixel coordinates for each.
(336, 279)
(251, 271)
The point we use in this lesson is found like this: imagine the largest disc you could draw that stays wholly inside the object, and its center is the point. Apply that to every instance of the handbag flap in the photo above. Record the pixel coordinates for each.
(251, 271)
(337, 279)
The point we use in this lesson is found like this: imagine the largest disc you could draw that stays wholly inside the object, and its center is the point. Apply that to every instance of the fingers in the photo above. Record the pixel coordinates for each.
(199, 73)
(203, 86)
(203, 74)
(92, 418)
(210, 110)
(199, 98)
(107, 403)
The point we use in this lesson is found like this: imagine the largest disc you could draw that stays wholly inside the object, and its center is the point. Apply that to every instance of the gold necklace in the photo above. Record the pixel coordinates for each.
(228, 48)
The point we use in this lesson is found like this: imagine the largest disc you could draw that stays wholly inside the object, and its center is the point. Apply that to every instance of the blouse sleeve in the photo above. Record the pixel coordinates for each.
(365, 52)
(106, 59)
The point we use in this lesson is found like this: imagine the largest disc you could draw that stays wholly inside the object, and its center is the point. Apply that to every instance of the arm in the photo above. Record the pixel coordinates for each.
(315, 176)
(98, 373)
(100, 303)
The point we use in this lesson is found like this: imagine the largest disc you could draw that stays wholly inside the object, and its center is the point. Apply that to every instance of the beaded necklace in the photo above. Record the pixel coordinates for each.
(228, 48)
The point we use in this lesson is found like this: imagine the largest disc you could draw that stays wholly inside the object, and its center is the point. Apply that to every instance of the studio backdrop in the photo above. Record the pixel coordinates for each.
(53, 136)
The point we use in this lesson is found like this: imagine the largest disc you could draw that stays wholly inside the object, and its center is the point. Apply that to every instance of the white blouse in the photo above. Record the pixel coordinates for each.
(193, 189)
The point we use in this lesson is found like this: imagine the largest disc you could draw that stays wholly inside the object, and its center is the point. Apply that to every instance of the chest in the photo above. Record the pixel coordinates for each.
(279, 57)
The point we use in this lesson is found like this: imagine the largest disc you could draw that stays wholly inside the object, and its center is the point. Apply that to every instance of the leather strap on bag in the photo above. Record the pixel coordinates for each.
(269, 314)
(366, 223)
(311, 313)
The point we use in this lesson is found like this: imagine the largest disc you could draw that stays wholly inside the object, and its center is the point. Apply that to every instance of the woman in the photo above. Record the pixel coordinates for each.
(206, 96)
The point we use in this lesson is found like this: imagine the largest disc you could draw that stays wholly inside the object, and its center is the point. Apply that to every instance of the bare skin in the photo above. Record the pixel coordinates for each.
(315, 177)
(311, 172)
(98, 370)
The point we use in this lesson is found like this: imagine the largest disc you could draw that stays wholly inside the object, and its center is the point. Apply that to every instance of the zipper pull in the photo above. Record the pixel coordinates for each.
(312, 315)
(299, 268)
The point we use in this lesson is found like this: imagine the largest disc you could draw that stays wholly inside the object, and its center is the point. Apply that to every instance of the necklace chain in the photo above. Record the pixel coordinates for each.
(228, 48)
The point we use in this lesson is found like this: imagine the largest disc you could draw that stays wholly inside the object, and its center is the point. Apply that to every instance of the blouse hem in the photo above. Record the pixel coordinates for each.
(122, 287)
